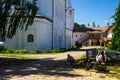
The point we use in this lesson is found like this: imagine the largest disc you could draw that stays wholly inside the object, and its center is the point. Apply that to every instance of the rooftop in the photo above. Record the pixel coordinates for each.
(77, 29)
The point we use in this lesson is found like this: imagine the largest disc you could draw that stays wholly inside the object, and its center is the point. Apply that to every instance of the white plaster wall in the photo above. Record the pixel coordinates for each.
(42, 31)
(11, 43)
(30, 46)
(45, 8)
(16, 42)
(109, 34)
(70, 18)
(44, 36)
(69, 23)
(59, 24)
(79, 36)
(68, 39)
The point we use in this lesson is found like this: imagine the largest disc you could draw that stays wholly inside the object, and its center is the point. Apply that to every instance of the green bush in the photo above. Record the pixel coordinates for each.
(78, 44)
(47, 51)
(109, 47)
(10, 51)
(55, 50)
(2, 48)
(20, 51)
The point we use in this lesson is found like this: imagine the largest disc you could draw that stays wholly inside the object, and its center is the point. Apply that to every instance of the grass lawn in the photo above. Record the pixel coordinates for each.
(115, 67)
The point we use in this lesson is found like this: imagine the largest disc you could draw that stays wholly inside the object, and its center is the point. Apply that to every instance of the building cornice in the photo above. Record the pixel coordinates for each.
(39, 16)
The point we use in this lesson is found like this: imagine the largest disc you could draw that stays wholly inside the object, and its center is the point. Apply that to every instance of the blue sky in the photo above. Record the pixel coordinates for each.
(98, 11)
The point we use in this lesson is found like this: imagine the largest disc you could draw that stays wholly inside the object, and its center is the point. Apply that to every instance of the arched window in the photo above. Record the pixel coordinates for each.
(30, 38)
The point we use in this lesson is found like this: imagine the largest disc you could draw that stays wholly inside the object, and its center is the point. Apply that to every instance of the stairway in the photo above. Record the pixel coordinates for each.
(84, 38)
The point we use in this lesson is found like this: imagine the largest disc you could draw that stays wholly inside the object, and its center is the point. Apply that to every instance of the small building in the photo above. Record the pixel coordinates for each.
(92, 36)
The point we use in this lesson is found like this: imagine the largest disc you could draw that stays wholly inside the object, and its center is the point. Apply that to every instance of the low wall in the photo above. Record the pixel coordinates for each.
(112, 55)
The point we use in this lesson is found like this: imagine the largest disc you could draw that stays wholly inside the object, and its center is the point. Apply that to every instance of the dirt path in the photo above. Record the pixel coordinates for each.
(50, 67)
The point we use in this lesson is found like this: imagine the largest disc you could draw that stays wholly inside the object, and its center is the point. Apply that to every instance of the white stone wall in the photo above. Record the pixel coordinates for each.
(16, 42)
(44, 35)
(45, 8)
(59, 24)
(109, 34)
(11, 43)
(69, 15)
(42, 31)
(70, 18)
(68, 39)
(77, 36)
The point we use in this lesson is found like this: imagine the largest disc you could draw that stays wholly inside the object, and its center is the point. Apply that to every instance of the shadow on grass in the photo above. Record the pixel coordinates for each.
(47, 66)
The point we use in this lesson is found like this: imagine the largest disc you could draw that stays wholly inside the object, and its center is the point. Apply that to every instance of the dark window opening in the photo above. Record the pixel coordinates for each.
(75, 35)
(30, 38)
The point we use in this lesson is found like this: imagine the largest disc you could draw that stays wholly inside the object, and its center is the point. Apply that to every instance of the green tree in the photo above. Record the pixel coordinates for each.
(83, 25)
(76, 25)
(98, 25)
(93, 24)
(16, 14)
(78, 44)
(88, 25)
(79, 25)
(115, 43)
(108, 24)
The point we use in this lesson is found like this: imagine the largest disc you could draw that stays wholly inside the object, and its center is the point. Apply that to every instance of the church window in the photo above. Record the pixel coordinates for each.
(30, 38)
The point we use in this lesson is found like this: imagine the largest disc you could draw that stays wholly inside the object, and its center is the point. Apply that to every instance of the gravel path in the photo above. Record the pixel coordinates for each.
(50, 67)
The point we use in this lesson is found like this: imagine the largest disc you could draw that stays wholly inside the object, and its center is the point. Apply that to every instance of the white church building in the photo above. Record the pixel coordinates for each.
(52, 28)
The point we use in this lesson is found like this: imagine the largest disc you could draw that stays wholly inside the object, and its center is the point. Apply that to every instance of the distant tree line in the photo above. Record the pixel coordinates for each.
(79, 25)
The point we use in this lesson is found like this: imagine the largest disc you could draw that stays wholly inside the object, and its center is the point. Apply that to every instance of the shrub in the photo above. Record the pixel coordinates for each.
(20, 51)
(10, 51)
(55, 50)
(47, 51)
(78, 44)
(2, 48)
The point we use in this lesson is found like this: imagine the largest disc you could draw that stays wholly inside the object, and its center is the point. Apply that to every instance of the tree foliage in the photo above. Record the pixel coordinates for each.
(16, 14)
(78, 44)
(93, 24)
(79, 25)
(115, 44)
